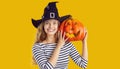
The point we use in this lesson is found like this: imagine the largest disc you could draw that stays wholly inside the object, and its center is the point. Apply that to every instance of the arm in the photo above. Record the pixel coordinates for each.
(53, 59)
(84, 47)
(80, 60)
(40, 58)
(55, 55)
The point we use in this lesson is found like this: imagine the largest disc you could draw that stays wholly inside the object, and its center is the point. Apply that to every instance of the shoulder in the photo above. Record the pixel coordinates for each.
(38, 45)
(69, 44)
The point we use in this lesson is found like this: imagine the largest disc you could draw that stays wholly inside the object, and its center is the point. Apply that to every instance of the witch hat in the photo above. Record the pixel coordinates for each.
(50, 12)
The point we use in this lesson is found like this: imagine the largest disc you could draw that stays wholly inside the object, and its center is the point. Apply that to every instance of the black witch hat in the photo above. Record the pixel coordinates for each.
(50, 12)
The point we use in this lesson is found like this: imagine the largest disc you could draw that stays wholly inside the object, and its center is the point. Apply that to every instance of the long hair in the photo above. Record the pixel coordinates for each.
(41, 36)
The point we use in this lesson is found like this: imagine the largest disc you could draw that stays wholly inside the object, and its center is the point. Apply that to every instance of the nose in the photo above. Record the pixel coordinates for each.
(50, 25)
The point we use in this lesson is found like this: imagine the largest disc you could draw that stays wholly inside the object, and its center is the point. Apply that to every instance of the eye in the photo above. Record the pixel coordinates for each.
(54, 23)
(46, 23)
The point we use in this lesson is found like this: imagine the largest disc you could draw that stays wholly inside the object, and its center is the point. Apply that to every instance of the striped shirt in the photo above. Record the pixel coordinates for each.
(42, 53)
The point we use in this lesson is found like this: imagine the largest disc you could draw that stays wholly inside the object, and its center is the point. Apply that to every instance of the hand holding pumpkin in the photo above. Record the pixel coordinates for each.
(86, 35)
(61, 38)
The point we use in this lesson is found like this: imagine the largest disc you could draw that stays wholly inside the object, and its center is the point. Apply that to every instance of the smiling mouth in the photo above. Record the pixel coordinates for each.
(51, 30)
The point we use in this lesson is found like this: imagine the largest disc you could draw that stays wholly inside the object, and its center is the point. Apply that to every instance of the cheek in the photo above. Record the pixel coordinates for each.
(56, 26)
(45, 28)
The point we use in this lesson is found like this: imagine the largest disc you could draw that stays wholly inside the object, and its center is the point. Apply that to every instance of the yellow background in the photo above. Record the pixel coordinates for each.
(100, 17)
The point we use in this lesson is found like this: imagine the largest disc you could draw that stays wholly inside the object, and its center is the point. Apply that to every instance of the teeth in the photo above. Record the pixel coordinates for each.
(50, 30)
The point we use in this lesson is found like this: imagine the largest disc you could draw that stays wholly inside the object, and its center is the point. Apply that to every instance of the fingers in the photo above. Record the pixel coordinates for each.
(85, 32)
(61, 33)
(62, 36)
(58, 33)
(66, 39)
(85, 37)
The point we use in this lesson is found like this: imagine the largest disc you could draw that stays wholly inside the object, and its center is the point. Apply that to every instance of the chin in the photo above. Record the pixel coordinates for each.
(51, 33)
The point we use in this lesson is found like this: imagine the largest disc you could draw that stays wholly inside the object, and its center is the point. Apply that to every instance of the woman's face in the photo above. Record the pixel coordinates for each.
(51, 26)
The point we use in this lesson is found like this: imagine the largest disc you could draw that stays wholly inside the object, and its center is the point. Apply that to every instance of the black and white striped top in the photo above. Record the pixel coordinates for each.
(42, 52)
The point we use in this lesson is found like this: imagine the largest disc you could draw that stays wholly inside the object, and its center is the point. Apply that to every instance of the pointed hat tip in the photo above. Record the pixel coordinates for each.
(54, 2)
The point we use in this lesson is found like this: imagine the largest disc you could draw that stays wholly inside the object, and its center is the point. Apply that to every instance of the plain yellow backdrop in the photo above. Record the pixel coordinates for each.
(100, 17)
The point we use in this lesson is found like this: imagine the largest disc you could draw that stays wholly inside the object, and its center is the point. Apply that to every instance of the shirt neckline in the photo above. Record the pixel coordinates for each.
(47, 43)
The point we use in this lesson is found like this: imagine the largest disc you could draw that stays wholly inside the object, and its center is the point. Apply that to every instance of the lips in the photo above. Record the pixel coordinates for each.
(50, 30)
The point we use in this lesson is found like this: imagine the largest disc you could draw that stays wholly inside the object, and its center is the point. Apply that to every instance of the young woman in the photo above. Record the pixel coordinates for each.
(51, 49)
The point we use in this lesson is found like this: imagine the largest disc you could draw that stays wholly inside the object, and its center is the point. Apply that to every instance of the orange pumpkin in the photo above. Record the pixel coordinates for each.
(73, 28)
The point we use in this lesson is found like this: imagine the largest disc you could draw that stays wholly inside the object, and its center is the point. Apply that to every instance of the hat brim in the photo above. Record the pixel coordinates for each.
(36, 23)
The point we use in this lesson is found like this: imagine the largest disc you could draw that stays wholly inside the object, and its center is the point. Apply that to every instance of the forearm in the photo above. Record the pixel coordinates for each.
(79, 60)
(55, 55)
(60, 44)
(84, 50)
